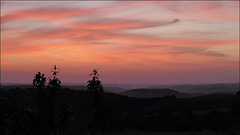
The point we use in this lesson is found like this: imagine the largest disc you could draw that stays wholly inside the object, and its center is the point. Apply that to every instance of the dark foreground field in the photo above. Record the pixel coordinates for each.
(21, 113)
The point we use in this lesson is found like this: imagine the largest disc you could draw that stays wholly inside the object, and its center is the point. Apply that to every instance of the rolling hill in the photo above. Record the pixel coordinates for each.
(154, 93)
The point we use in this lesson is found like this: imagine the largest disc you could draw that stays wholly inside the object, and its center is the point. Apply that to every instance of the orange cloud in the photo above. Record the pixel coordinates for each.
(46, 14)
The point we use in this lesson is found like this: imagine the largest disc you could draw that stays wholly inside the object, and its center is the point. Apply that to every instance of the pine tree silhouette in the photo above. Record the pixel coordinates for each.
(97, 97)
(54, 85)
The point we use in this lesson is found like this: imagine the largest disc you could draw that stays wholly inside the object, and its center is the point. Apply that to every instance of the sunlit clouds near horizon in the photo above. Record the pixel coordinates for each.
(161, 42)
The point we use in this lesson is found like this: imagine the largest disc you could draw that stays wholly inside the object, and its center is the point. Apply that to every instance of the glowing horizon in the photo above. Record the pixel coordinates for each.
(161, 42)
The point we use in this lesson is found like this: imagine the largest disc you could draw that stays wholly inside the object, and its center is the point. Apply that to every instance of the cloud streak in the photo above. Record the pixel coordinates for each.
(196, 51)
(45, 14)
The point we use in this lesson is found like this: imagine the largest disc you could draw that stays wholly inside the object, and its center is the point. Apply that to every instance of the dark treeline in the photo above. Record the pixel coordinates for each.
(48, 109)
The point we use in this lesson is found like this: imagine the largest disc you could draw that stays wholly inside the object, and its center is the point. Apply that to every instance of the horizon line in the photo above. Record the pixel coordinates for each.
(80, 84)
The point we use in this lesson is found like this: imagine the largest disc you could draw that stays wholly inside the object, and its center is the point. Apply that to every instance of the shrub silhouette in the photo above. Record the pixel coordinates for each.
(97, 97)
(39, 80)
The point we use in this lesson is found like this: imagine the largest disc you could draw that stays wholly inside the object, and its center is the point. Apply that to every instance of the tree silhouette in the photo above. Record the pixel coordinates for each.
(97, 97)
(53, 116)
(39, 80)
(55, 70)
(54, 85)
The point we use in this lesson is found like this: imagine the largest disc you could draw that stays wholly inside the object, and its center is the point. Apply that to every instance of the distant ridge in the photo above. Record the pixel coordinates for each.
(154, 93)
(205, 89)
(217, 95)
(225, 88)
(83, 87)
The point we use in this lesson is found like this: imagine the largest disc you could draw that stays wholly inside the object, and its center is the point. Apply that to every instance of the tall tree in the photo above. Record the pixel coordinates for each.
(54, 85)
(97, 97)
(39, 82)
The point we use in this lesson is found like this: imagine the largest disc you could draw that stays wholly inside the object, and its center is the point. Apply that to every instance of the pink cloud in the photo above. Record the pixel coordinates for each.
(47, 13)
(200, 10)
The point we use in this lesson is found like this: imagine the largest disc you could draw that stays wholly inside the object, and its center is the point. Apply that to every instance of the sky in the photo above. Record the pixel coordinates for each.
(129, 42)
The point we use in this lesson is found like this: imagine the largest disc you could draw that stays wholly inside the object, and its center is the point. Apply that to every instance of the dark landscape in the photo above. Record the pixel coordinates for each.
(136, 111)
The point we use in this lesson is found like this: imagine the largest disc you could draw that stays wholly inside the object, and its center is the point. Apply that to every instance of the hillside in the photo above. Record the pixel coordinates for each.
(223, 88)
(210, 112)
(154, 93)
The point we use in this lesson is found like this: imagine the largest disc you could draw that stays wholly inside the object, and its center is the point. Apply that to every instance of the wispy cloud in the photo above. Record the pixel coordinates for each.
(119, 24)
(48, 13)
(195, 51)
